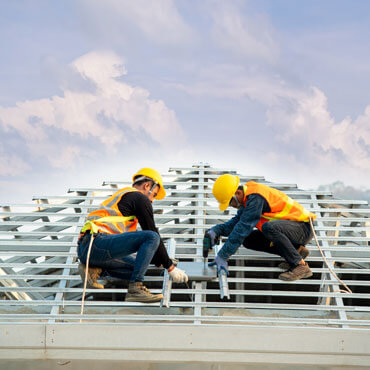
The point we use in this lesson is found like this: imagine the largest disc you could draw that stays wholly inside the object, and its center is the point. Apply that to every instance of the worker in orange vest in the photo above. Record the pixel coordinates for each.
(283, 226)
(113, 226)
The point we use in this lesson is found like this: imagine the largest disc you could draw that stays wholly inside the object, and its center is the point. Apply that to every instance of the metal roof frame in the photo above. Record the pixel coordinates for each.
(40, 285)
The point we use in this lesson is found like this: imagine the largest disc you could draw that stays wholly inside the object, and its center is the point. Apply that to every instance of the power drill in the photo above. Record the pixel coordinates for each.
(207, 244)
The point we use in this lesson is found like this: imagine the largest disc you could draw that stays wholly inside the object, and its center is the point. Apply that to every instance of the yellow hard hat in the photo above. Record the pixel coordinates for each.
(224, 188)
(155, 176)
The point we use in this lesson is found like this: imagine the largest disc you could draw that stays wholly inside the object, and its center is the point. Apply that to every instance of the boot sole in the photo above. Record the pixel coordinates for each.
(144, 300)
(304, 276)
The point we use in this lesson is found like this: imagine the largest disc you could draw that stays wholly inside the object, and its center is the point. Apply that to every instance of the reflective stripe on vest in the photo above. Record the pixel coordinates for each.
(108, 218)
(282, 207)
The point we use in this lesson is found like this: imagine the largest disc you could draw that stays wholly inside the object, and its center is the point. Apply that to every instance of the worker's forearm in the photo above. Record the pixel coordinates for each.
(234, 241)
(227, 227)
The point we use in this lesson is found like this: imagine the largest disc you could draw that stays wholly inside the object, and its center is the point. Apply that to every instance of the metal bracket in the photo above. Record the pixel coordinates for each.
(222, 279)
(167, 281)
(224, 285)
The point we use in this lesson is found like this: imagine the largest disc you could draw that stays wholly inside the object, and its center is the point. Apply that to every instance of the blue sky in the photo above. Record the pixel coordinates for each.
(92, 90)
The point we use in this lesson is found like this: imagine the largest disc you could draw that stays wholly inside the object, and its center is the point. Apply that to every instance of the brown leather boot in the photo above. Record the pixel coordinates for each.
(302, 250)
(92, 276)
(137, 292)
(299, 272)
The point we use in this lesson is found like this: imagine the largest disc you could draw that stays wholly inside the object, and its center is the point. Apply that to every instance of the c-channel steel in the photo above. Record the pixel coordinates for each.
(63, 206)
(66, 271)
(192, 181)
(199, 240)
(338, 300)
(16, 282)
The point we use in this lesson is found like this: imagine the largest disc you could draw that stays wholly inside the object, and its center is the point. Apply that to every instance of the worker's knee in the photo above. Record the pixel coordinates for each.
(269, 230)
(153, 238)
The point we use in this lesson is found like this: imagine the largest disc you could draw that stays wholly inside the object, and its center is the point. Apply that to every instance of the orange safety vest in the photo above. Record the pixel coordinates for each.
(281, 205)
(108, 218)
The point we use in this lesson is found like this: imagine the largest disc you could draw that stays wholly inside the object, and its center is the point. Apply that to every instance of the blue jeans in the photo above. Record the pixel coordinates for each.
(112, 253)
(286, 236)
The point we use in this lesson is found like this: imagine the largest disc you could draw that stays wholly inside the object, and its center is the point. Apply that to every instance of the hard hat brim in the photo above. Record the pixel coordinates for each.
(155, 176)
(161, 193)
(223, 206)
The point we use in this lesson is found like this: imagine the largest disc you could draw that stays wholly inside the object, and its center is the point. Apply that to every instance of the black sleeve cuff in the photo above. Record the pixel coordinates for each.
(161, 257)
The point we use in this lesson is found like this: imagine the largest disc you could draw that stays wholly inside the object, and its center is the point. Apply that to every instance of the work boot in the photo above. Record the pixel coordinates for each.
(299, 272)
(137, 292)
(302, 250)
(92, 276)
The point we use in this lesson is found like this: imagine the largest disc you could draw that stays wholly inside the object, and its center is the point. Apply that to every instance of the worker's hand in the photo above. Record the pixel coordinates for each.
(221, 264)
(210, 239)
(178, 275)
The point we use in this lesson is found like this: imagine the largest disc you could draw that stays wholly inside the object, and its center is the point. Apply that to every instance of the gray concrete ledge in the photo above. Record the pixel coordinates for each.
(179, 345)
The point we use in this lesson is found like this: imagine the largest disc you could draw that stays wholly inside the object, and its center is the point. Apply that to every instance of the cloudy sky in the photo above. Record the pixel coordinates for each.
(91, 90)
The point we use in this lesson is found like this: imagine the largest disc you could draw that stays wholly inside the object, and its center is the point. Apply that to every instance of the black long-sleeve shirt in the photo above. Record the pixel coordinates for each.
(137, 204)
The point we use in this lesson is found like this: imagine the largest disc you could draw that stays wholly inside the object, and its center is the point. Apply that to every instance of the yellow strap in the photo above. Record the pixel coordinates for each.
(115, 219)
(90, 224)
(270, 218)
(275, 219)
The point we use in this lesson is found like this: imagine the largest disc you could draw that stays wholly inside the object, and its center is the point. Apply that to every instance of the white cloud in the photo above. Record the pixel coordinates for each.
(309, 126)
(302, 139)
(100, 67)
(242, 34)
(159, 21)
(233, 81)
(115, 113)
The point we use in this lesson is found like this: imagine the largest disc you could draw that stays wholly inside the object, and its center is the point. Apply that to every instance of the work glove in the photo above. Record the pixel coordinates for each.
(221, 264)
(210, 239)
(178, 275)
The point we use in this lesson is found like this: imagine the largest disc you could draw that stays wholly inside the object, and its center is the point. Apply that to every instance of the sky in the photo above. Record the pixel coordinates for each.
(93, 90)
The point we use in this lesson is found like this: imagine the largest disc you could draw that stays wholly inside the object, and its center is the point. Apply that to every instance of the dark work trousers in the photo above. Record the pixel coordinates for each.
(286, 237)
(113, 253)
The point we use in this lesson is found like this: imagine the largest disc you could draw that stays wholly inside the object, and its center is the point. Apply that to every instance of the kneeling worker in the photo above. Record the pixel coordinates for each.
(283, 226)
(116, 238)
